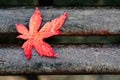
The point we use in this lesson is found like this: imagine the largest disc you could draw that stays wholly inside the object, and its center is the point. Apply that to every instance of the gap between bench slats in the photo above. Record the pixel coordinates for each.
(11, 39)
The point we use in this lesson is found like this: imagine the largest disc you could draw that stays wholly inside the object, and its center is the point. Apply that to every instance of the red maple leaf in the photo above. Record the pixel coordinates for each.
(35, 38)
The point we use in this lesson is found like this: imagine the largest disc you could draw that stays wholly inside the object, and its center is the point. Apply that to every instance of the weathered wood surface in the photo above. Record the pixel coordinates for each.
(81, 21)
(73, 59)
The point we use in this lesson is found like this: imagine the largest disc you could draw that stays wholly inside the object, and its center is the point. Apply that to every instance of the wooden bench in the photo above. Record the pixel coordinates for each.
(75, 57)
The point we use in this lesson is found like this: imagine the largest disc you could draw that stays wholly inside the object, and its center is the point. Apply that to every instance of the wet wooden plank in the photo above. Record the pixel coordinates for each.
(73, 59)
(81, 21)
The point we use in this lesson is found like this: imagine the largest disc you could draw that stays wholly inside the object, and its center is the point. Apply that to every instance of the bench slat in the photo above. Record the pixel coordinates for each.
(85, 21)
(73, 59)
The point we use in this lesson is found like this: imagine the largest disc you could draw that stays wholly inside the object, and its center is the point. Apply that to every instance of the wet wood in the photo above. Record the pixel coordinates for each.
(73, 59)
(81, 21)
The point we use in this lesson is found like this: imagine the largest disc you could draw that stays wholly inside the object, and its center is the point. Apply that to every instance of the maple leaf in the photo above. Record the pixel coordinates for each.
(35, 38)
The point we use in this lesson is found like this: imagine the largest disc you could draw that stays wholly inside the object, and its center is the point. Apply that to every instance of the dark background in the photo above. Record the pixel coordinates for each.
(62, 2)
